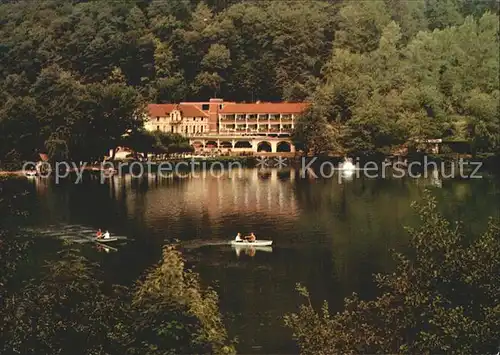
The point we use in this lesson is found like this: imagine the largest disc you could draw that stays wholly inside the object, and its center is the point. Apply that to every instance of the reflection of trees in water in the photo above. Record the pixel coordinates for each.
(361, 219)
(268, 279)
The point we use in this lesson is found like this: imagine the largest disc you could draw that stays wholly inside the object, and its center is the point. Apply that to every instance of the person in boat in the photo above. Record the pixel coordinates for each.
(251, 238)
(238, 238)
(106, 235)
(99, 234)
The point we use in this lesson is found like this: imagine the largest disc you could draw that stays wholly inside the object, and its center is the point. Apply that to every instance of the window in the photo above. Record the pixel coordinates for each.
(220, 106)
(157, 128)
(202, 118)
(172, 129)
(157, 119)
(205, 107)
(201, 129)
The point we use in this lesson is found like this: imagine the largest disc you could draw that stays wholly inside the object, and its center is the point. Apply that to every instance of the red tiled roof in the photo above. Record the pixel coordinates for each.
(187, 110)
(282, 107)
(160, 110)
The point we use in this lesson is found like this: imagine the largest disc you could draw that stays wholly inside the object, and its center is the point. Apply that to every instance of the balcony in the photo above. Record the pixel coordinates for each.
(227, 118)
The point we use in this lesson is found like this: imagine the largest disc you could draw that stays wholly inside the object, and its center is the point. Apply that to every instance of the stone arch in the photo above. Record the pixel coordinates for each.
(226, 144)
(284, 146)
(264, 146)
(243, 144)
(211, 144)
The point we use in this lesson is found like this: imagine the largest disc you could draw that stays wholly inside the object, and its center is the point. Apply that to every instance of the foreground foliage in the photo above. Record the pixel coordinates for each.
(444, 297)
(68, 309)
(64, 306)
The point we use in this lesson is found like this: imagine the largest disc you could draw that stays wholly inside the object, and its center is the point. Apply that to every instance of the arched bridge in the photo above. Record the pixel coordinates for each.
(240, 143)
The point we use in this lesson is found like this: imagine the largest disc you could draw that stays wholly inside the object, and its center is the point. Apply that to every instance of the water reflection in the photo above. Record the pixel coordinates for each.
(250, 250)
(250, 192)
(347, 175)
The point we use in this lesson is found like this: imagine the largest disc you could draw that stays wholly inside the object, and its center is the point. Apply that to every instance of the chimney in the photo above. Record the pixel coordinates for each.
(213, 114)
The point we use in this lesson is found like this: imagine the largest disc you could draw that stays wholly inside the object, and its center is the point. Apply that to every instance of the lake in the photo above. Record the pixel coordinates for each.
(330, 235)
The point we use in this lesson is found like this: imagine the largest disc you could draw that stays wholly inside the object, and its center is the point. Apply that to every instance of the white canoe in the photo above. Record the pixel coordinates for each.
(257, 243)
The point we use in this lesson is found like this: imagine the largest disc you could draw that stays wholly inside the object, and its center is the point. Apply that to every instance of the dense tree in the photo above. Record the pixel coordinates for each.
(371, 62)
(442, 84)
(115, 110)
(313, 134)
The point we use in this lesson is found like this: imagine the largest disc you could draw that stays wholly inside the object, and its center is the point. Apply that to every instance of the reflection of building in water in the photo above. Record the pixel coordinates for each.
(242, 191)
(41, 186)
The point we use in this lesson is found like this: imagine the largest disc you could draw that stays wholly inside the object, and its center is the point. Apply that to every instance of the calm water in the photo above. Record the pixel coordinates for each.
(329, 235)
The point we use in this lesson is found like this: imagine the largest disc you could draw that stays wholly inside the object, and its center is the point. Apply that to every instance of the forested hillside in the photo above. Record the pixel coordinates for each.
(66, 66)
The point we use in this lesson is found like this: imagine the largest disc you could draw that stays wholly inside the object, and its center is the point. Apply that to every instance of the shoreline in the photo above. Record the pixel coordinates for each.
(490, 161)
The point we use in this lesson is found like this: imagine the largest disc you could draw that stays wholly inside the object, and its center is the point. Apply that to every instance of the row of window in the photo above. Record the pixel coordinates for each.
(233, 117)
(256, 126)
(255, 117)
(195, 119)
(274, 129)
(185, 129)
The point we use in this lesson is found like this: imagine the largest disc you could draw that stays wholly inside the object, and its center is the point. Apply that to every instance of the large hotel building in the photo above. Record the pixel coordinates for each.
(219, 118)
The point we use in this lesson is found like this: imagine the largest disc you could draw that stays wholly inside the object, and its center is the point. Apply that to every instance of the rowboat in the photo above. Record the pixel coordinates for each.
(257, 243)
(105, 240)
